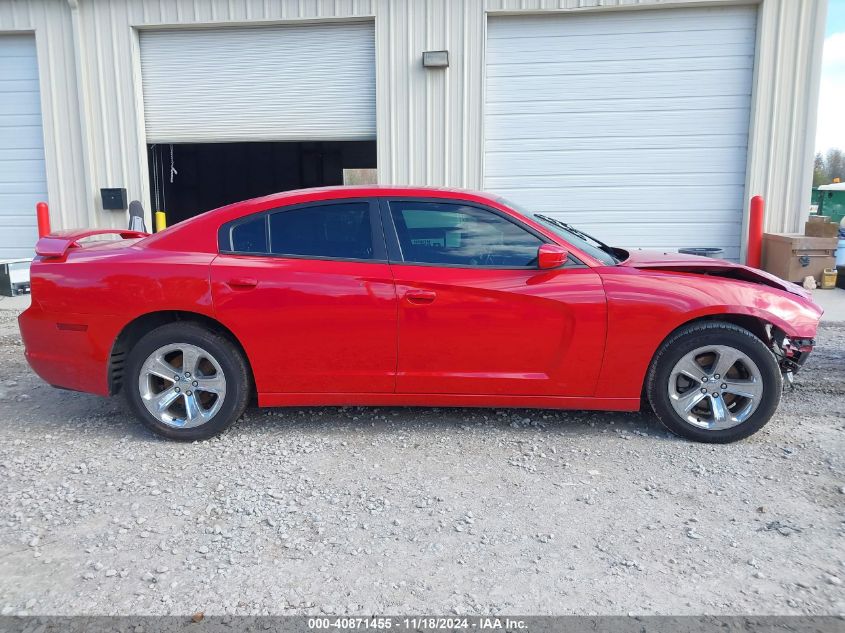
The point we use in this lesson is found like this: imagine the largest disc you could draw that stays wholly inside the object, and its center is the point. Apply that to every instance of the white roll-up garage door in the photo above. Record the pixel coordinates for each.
(268, 83)
(632, 125)
(23, 182)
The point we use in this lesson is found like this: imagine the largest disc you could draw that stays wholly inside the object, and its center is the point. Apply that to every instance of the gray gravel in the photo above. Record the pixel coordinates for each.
(381, 510)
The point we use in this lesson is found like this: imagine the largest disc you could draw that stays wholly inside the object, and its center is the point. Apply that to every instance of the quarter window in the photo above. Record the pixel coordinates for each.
(249, 236)
(455, 234)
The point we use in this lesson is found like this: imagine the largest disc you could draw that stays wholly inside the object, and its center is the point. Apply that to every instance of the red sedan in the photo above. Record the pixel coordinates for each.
(407, 296)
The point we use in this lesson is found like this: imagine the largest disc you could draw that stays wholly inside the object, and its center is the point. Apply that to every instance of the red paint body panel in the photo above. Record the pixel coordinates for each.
(508, 332)
(445, 400)
(71, 359)
(311, 325)
(104, 286)
(645, 306)
(322, 331)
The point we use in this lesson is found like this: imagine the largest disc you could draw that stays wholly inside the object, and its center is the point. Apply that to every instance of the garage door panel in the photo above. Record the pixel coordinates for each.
(648, 217)
(13, 216)
(20, 136)
(631, 123)
(620, 85)
(645, 22)
(7, 153)
(19, 102)
(653, 235)
(622, 104)
(269, 83)
(588, 124)
(20, 203)
(19, 85)
(18, 235)
(22, 68)
(22, 172)
(592, 198)
(621, 182)
(666, 141)
(596, 47)
(651, 162)
(628, 66)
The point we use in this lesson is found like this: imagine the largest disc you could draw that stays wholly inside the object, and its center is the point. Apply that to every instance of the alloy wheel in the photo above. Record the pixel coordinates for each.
(715, 387)
(182, 385)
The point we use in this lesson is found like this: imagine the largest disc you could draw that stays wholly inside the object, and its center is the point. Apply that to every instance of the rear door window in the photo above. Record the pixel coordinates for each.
(341, 230)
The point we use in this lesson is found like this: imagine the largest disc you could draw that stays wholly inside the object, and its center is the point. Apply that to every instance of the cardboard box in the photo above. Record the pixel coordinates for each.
(820, 226)
(793, 257)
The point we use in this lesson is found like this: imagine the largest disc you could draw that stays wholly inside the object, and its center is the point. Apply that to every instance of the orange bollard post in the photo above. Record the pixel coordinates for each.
(755, 232)
(42, 211)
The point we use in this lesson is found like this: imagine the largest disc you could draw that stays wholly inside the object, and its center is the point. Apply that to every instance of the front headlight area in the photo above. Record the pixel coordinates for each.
(791, 353)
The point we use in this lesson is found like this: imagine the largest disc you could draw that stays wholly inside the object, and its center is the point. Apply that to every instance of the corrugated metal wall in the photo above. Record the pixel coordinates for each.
(430, 123)
(54, 41)
(430, 130)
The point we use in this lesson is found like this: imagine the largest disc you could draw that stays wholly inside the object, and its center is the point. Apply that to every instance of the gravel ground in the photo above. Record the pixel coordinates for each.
(397, 511)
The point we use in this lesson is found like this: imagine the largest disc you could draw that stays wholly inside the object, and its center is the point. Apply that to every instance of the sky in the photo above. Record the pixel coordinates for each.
(831, 121)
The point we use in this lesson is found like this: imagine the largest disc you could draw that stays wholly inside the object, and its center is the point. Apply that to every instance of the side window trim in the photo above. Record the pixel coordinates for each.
(391, 236)
(394, 248)
(224, 234)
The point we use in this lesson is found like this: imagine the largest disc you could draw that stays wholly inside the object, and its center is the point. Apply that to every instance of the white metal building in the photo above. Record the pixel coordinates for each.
(650, 123)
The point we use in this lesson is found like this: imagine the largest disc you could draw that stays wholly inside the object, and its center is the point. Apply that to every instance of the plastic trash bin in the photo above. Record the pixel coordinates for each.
(704, 252)
(840, 250)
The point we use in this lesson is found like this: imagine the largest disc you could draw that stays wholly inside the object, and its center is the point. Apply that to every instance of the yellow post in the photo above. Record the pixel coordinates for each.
(161, 221)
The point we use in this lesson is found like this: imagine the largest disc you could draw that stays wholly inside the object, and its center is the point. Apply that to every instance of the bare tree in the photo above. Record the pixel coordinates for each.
(829, 167)
(835, 164)
(819, 174)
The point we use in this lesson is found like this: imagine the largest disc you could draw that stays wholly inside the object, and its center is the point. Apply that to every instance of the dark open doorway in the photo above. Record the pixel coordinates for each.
(209, 175)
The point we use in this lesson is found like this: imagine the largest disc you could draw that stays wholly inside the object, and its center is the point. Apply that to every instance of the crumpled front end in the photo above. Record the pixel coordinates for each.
(791, 352)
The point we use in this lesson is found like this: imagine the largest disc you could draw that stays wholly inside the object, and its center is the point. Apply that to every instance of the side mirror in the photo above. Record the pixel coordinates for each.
(551, 256)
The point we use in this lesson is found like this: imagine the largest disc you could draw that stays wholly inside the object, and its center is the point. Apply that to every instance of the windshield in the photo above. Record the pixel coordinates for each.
(607, 255)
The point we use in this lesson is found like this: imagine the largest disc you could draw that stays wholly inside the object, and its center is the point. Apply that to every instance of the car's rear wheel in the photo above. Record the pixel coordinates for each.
(186, 382)
(714, 382)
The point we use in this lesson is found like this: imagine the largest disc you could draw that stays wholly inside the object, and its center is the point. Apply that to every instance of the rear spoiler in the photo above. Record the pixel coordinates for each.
(58, 243)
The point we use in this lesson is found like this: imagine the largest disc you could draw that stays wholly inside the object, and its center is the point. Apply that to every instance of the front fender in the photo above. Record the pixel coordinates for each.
(646, 306)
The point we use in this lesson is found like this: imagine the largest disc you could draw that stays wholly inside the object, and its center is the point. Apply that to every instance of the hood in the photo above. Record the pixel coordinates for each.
(679, 262)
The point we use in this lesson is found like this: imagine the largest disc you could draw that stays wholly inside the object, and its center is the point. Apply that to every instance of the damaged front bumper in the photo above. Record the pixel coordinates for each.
(792, 353)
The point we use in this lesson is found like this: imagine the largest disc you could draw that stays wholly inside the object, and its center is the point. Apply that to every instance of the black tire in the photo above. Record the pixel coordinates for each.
(230, 359)
(691, 337)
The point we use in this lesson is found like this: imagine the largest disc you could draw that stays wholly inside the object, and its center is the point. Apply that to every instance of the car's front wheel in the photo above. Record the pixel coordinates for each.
(186, 382)
(714, 382)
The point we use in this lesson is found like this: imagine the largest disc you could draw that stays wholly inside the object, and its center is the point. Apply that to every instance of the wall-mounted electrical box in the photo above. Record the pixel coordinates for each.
(113, 199)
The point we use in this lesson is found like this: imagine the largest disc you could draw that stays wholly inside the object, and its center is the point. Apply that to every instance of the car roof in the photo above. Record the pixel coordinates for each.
(201, 230)
(360, 191)
(200, 233)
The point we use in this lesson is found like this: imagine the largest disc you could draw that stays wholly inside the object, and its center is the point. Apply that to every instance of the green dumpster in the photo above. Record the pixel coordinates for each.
(831, 202)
